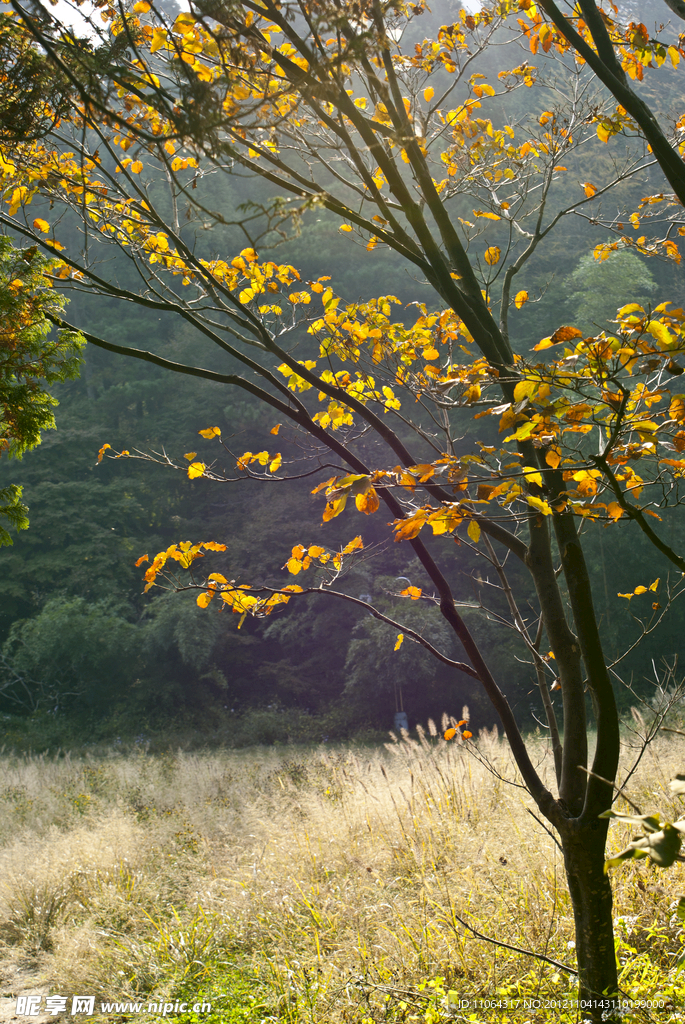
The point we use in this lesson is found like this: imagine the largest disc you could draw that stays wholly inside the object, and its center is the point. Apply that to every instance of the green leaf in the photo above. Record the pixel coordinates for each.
(14, 511)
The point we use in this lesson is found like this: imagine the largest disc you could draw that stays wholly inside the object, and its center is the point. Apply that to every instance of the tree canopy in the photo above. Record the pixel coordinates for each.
(30, 363)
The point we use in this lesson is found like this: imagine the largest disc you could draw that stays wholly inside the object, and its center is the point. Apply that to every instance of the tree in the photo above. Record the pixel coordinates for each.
(595, 288)
(30, 361)
(349, 110)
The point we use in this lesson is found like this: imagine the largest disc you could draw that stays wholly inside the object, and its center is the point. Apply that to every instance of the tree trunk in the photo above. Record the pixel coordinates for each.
(583, 844)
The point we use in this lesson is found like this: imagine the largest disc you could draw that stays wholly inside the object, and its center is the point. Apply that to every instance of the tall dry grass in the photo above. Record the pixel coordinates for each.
(307, 886)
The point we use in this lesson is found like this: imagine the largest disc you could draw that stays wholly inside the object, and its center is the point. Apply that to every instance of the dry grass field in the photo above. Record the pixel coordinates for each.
(315, 886)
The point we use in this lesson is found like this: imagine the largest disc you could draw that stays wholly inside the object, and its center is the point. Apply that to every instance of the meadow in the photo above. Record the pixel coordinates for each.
(312, 885)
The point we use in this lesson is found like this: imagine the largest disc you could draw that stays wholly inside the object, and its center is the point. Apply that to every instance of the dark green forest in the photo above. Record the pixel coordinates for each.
(87, 657)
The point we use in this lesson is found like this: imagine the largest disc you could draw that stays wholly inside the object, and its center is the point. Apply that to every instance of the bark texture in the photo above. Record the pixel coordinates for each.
(590, 890)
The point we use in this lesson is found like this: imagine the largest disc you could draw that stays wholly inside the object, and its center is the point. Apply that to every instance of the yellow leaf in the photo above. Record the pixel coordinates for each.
(525, 389)
(653, 586)
(204, 599)
(190, 456)
(488, 216)
(413, 592)
(428, 93)
(473, 531)
(588, 188)
(274, 430)
(632, 307)
(275, 463)
(354, 545)
(334, 508)
(41, 225)
(136, 167)
(640, 590)
(210, 432)
(345, 227)
(293, 566)
(532, 475)
(398, 642)
(674, 55)
(553, 457)
(660, 332)
(142, 7)
(539, 504)
(196, 469)
(627, 596)
(7, 168)
(603, 135)
(614, 510)
(492, 255)
(521, 297)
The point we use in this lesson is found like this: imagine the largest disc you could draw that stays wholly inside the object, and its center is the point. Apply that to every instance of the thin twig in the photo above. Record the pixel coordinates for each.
(516, 949)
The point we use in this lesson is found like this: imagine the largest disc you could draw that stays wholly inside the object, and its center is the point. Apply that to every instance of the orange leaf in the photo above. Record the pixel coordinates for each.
(565, 334)
(553, 457)
(143, 558)
(368, 503)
